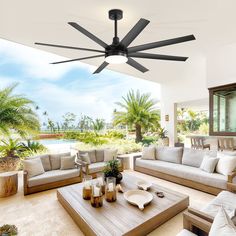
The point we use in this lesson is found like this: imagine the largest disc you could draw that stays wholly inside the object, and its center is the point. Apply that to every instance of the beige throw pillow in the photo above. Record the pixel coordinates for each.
(67, 162)
(45, 161)
(33, 167)
(149, 153)
(170, 154)
(91, 153)
(209, 164)
(222, 225)
(226, 164)
(110, 154)
(85, 157)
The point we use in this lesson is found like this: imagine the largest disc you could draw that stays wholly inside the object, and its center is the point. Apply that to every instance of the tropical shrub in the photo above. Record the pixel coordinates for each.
(11, 148)
(114, 134)
(147, 140)
(123, 146)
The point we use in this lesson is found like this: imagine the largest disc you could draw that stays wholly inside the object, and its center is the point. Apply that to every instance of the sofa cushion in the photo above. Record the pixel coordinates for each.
(55, 159)
(110, 154)
(209, 164)
(45, 161)
(222, 225)
(99, 155)
(192, 157)
(226, 163)
(225, 199)
(96, 167)
(34, 167)
(169, 154)
(67, 163)
(149, 153)
(91, 153)
(53, 176)
(186, 172)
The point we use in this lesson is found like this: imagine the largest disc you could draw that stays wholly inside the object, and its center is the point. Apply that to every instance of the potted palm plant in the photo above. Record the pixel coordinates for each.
(163, 137)
(112, 170)
(8, 230)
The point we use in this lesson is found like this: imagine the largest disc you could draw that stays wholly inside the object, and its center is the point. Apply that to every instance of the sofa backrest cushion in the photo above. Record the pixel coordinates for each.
(45, 161)
(226, 164)
(170, 154)
(192, 157)
(110, 154)
(33, 166)
(99, 155)
(222, 225)
(149, 153)
(67, 162)
(55, 159)
(91, 153)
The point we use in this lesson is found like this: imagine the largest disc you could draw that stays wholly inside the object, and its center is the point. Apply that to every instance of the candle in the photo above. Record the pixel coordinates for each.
(87, 185)
(96, 191)
(100, 181)
(110, 187)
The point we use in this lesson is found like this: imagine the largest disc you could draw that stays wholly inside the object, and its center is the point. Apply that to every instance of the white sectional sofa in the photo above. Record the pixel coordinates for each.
(182, 166)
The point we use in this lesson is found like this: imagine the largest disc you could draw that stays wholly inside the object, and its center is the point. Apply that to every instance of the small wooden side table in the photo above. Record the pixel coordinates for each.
(8, 183)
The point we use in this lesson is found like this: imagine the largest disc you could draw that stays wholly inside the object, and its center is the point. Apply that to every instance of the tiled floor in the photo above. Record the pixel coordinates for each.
(42, 215)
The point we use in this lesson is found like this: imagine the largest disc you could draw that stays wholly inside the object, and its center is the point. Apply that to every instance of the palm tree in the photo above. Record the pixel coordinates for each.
(16, 113)
(98, 124)
(140, 112)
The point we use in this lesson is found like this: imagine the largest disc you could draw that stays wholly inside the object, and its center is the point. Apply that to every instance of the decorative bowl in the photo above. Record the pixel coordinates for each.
(143, 185)
(139, 198)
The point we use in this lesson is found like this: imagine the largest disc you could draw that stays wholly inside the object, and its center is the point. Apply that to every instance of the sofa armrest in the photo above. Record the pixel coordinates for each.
(231, 177)
(135, 157)
(231, 187)
(82, 164)
(196, 223)
(201, 214)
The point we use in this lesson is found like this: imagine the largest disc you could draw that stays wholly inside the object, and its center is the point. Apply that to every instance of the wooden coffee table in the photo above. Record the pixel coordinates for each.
(121, 218)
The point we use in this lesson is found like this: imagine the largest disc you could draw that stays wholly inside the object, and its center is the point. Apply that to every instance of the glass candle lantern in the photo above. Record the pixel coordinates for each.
(87, 188)
(110, 190)
(96, 195)
(101, 181)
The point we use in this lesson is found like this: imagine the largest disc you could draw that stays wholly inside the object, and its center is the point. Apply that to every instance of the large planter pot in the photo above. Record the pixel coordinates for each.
(9, 164)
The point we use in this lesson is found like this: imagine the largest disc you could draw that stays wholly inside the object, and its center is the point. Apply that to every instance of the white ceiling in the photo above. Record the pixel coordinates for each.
(211, 21)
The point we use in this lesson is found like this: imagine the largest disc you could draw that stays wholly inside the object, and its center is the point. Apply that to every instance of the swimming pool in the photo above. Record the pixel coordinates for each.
(55, 141)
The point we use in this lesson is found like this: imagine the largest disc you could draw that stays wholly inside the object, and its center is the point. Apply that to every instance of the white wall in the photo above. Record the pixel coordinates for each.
(217, 67)
(190, 85)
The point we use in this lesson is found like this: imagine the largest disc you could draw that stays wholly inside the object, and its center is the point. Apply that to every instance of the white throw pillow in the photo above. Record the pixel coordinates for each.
(170, 154)
(110, 154)
(209, 164)
(67, 162)
(149, 153)
(33, 167)
(226, 163)
(222, 225)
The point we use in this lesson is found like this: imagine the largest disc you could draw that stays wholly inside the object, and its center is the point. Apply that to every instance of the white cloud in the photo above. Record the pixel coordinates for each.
(36, 62)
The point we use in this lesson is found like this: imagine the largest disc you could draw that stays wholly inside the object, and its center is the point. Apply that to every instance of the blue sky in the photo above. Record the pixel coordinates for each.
(69, 87)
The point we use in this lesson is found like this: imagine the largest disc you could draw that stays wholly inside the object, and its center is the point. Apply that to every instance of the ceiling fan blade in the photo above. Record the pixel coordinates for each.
(161, 43)
(134, 32)
(88, 34)
(78, 59)
(157, 56)
(136, 65)
(69, 47)
(101, 67)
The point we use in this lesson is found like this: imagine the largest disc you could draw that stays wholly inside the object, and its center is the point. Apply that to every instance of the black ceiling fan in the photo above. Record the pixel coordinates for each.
(119, 51)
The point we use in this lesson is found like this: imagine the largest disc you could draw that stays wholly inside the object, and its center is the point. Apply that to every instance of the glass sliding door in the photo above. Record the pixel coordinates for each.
(223, 110)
